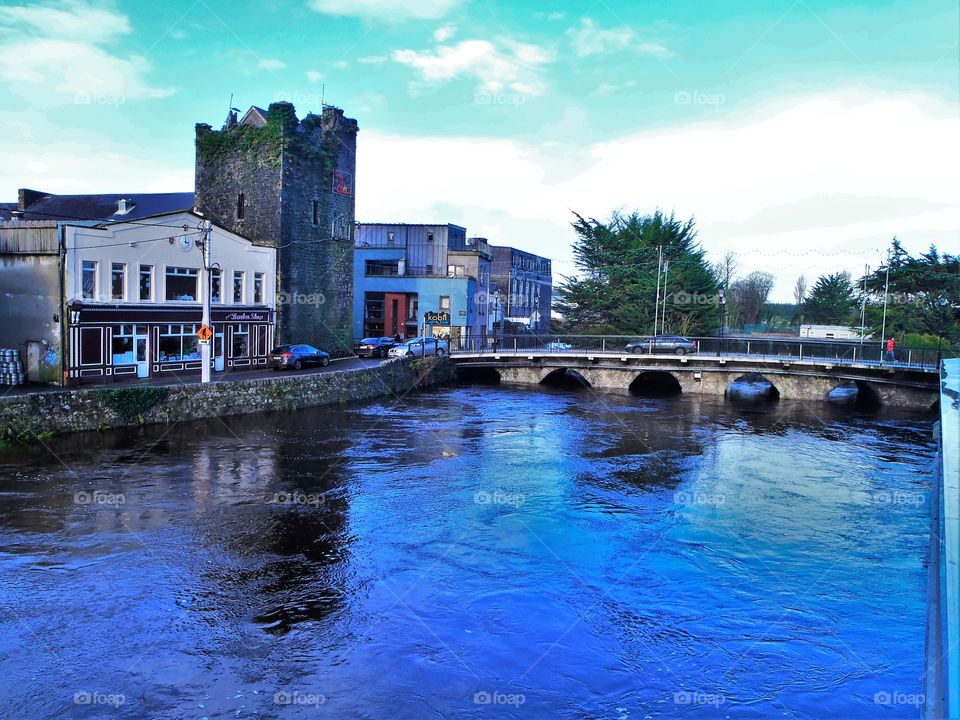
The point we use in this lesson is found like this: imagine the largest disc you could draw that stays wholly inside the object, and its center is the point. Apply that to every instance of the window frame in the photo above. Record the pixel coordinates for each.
(258, 292)
(242, 275)
(171, 270)
(147, 270)
(86, 265)
(123, 281)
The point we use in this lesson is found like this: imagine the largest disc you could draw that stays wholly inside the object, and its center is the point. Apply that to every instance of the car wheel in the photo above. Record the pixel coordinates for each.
(636, 350)
(440, 352)
(410, 354)
(297, 365)
(680, 351)
(324, 362)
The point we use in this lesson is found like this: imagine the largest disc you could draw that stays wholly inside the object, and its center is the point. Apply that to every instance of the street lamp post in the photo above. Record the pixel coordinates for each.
(723, 318)
(941, 304)
(497, 320)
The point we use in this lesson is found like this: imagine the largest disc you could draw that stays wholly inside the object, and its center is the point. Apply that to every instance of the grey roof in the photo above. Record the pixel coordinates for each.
(5, 209)
(105, 207)
(255, 116)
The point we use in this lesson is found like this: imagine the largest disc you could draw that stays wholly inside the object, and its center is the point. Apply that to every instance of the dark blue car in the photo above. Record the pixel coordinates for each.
(295, 357)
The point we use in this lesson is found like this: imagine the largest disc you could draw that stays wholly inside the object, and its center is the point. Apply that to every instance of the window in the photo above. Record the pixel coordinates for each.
(118, 281)
(429, 237)
(444, 303)
(374, 307)
(414, 309)
(429, 269)
(241, 340)
(178, 342)
(182, 284)
(216, 286)
(258, 288)
(382, 267)
(316, 212)
(456, 271)
(89, 280)
(238, 286)
(391, 236)
(241, 203)
(146, 282)
(122, 344)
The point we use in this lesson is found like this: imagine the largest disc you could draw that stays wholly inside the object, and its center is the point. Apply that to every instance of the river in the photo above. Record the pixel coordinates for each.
(472, 552)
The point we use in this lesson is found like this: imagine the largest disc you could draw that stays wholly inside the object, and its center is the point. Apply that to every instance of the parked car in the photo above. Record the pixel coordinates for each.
(294, 357)
(663, 344)
(557, 346)
(374, 347)
(420, 347)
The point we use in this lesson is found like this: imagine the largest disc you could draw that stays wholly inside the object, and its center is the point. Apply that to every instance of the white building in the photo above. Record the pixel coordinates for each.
(830, 332)
(132, 294)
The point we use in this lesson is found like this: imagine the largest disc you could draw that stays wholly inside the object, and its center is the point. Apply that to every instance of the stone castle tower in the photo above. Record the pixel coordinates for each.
(289, 184)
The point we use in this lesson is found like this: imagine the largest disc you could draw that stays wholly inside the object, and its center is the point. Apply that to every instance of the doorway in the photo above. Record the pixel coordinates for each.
(218, 351)
(140, 350)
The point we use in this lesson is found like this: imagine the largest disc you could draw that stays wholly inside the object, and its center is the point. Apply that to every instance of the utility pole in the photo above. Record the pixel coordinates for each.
(205, 345)
(666, 271)
(863, 307)
(656, 303)
(886, 294)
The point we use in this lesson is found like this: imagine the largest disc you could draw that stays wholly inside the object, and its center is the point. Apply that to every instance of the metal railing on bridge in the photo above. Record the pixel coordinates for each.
(866, 353)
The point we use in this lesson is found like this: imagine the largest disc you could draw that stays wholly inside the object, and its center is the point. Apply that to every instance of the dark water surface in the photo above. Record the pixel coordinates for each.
(472, 552)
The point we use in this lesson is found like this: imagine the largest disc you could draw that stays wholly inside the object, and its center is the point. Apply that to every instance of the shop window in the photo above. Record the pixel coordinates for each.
(216, 286)
(118, 281)
(444, 303)
(238, 287)
(146, 282)
(91, 346)
(89, 279)
(182, 284)
(178, 342)
(122, 345)
(241, 341)
(258, 288)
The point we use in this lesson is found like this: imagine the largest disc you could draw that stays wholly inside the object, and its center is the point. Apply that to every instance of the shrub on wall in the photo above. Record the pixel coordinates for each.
(131, 403)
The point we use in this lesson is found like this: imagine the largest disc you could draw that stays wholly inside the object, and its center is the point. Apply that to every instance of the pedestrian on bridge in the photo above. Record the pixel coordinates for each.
(890, 357)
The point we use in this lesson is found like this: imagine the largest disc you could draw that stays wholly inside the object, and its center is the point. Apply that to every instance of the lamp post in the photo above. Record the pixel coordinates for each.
(722, 294)
(497, 320)
(941, 304)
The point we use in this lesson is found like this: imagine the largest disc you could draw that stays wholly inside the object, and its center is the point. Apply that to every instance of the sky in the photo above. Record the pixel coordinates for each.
(800, 134)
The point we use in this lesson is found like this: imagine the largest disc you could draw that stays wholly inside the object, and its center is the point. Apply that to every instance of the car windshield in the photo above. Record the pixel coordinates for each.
(280, 349)
(368, 341)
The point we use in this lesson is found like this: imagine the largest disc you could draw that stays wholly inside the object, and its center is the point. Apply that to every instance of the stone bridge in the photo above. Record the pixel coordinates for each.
(791, 379)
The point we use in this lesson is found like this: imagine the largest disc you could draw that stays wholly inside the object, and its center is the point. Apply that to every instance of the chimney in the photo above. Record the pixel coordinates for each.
(125, 205)
(27, 197)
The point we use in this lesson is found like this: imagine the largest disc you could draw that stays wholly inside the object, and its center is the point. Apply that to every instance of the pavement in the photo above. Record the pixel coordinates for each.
(192, 378)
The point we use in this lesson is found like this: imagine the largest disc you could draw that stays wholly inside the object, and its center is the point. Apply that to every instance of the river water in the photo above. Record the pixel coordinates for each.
(472, 552)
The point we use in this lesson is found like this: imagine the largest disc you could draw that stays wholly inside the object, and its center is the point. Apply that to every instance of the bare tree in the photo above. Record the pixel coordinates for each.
(750, 295)
(800, 291)
(726, 269)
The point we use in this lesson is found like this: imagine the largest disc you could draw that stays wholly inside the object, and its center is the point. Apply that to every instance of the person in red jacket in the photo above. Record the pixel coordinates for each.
(890, 355)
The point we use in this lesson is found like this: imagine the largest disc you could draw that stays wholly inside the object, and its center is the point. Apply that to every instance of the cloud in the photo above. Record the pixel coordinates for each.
(442, 34)
(314, 76)
(373, 59)
(271, 64)
(509, 65)
(62, 53)
(386, 10)
(341, 64)
(589, 39)
(741, 178)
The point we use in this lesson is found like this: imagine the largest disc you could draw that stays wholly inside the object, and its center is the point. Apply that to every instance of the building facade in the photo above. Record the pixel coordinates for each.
(525, 285)
(133, 291)
(412, 280)
(288, 184)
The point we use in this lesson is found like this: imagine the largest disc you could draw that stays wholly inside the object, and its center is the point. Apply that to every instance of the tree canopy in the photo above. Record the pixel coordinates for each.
(615, 289)
(831, 301)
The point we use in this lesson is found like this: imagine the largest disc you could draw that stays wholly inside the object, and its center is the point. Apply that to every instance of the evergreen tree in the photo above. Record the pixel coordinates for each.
(616, 286)
(831, 301)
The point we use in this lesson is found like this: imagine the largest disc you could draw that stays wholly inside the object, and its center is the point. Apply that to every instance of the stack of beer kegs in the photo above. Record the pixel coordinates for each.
(11, 369)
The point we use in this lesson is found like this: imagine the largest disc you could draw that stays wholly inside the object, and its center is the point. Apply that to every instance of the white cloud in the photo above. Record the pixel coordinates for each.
(509, 65)
(373, 59)
(61, 58)
(743, 179)
(271, 64)
(589, 39)
(444, 33)
(314, 76)
(341, 64)
(388, 10)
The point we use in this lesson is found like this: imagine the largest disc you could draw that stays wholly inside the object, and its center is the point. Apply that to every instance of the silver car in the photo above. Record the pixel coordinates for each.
(420, 347)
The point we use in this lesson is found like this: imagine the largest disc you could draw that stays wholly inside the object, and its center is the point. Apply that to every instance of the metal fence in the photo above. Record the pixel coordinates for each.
(866, 353)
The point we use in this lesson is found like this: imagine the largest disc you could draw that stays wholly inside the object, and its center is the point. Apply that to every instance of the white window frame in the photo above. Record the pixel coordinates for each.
(262, 277)
(96, 279)
(243, 287)
(123, 280)
(153, 282)
(167, 271)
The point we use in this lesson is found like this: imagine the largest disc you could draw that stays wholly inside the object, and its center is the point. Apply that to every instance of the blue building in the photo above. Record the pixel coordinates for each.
(412, 280)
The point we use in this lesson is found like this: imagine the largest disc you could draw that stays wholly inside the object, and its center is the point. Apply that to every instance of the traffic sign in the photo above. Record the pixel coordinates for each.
(204, 333)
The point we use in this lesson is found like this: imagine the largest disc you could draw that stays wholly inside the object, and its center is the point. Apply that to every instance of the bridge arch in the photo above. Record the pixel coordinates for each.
(565, 378)
(483, 375)
(752, 386)
(858, 394)
(655, 383)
